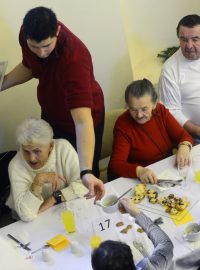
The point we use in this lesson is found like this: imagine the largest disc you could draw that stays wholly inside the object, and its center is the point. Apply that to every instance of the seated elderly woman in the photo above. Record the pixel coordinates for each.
(44, 172)
(146, 133)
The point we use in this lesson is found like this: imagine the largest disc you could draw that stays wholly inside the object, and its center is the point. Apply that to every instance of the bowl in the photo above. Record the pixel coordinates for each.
(109, 203)
(192, 232)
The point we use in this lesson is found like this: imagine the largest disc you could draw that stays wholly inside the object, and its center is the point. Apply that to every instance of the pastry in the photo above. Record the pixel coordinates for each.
(119, 224)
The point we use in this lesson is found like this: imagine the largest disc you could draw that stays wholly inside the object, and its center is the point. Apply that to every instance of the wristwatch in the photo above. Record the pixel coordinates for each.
(186, 144)
(57, 196)
(85, 172)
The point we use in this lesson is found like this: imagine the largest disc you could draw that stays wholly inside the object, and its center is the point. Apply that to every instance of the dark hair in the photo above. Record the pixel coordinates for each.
(139, 88)
(113, 255)
(40, 23)
(188, 21)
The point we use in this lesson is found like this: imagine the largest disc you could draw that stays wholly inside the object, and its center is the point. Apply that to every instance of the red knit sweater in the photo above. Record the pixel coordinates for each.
(132, 146)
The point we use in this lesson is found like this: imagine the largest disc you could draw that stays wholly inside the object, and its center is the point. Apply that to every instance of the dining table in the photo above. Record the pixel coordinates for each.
(91, 220)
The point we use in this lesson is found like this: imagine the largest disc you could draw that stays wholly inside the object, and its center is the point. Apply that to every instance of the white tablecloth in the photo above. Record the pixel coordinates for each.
(89, 217)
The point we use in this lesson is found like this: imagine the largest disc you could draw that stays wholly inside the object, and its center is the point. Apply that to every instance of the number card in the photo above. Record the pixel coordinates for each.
(105, 226)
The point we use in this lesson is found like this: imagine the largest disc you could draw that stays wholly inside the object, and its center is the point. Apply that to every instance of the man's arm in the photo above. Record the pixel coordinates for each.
(171, 97)
(163, 247)
(162, 255)
(170, 94)
(20, 74)
(85, 139)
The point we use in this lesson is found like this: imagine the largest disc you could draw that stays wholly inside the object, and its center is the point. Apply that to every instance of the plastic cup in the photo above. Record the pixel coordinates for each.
(196, 166)
(95, 241)
(68, 220)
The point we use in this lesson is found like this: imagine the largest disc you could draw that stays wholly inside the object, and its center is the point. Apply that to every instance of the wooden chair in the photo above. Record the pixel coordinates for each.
(107, 141)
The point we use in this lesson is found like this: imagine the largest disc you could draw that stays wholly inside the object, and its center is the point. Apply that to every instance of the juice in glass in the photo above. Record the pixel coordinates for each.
(95, 241)
(197, 176)
(68, 220)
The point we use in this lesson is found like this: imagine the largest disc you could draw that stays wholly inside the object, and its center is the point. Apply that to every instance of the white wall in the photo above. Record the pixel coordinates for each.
(97, 23)
(120, 34)
(150, 26)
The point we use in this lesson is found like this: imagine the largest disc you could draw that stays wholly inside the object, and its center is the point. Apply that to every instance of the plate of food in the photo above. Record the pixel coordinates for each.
(166, 204)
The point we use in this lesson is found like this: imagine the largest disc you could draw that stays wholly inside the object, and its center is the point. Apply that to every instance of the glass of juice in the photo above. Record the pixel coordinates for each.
(196, 166)
(68, 220)
(95, 241)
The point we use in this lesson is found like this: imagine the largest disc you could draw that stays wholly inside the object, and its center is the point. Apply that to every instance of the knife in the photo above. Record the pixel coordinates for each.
(168, 181)
(17, 241)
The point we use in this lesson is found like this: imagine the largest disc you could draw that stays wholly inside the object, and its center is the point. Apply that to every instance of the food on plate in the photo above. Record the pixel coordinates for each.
(140, 188)
(139, 193)
(153, 200)
(128, 227)
(124, 231)
(138, 198)
(173, 211)
(152, 195)
(119, 224)
(140, 230)
(173, 204)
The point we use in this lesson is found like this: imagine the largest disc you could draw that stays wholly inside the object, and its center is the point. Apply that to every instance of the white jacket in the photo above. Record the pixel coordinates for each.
(63, 160)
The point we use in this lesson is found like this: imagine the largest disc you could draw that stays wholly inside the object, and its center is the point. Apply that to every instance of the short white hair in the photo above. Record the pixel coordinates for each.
(34, 132)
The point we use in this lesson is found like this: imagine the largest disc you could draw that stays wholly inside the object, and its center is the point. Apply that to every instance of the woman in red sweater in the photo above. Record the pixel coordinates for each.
(146, 133)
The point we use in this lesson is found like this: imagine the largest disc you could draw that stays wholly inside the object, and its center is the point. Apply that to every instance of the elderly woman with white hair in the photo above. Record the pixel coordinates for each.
(44, 172)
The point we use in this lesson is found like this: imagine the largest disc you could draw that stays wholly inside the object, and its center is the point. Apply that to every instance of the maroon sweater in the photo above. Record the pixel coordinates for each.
(66, 80)
(133, 146)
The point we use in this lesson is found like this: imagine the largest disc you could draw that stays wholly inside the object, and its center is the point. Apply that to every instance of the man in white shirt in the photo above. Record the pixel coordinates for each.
(179, 83)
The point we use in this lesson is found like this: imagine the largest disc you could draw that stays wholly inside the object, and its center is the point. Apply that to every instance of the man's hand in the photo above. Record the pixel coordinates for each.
(146, 176)
(129, 207)
(49, 177)
(95, 186)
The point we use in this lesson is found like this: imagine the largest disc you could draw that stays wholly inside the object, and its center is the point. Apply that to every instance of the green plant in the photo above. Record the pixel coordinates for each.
(165, 54)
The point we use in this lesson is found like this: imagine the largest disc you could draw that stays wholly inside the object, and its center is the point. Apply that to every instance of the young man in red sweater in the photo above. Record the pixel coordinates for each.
(71, 100)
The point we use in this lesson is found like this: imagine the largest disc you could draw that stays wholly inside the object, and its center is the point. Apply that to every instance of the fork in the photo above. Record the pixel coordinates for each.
(43, 247)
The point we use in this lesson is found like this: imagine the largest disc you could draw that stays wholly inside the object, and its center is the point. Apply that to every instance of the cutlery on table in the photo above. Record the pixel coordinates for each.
(169, 181)
(24, 246)
(118, 198)
(123, 195)
(43, 247)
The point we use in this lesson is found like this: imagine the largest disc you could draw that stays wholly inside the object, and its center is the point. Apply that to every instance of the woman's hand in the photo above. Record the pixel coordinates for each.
(49, 177)
(146, 176)
(49, 202)
(183, 157)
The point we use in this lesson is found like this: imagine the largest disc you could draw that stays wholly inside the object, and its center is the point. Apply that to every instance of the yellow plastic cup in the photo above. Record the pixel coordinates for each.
(95, 241)
(196, 166)
(68, 220)
(197, 176)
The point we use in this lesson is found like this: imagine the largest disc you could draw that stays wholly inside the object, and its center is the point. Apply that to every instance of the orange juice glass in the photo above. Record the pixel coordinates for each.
(68, 220)
(95, 241)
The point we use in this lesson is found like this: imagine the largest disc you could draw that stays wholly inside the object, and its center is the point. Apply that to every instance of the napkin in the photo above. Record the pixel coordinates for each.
(166, 175)
(58, 242)
(183, 218)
